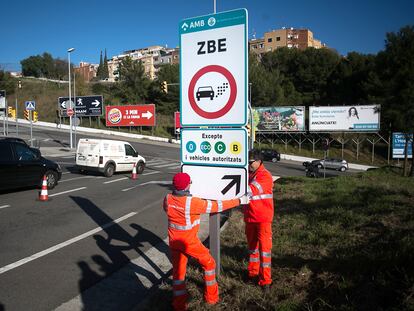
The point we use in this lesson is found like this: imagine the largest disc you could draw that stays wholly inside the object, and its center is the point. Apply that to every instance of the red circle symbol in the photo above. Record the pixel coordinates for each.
(233, 92)
(69, 112)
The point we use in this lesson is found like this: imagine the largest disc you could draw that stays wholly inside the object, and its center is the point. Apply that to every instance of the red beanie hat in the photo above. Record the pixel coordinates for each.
(181, 181)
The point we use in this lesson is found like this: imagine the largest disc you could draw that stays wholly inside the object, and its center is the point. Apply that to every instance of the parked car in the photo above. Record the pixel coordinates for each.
(330, 163)
(270, 155)
(107, 156)
(23, 166)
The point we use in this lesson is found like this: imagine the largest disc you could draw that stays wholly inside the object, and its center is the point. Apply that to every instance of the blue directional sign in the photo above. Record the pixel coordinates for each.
(30, 105)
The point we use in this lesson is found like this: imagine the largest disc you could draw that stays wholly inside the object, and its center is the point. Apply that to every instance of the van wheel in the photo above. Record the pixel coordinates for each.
(109, 170)
(51, 179)
(274, 160)
(140, 167)
(342, 169)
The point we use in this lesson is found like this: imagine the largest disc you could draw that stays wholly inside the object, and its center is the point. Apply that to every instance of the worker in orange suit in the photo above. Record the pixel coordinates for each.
(258, 217)
(183, 211)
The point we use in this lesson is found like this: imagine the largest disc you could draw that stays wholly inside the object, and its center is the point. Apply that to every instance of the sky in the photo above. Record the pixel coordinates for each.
(33, 27)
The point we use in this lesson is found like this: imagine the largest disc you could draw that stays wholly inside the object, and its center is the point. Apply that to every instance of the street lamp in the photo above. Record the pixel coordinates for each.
(70, 98)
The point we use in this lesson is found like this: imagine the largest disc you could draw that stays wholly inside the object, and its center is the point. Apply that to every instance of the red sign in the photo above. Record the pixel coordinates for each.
(69, 112)
(177, 120)
(132, 115)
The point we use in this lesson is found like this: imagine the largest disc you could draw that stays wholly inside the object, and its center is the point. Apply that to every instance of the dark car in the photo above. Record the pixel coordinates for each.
(331, 163)
(205, 91)
(22, 166)
(270, 155)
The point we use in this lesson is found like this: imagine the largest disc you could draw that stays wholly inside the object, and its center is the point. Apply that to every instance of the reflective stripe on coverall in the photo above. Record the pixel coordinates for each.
(258, 216)
(183, 224)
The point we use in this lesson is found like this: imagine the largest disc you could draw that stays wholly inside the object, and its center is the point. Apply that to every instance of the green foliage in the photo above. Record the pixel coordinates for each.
(44, 66)
(133, 84)
(7, 83)
(166, 103)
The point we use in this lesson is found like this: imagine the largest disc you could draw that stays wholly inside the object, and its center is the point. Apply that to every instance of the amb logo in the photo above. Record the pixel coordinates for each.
(195, 24)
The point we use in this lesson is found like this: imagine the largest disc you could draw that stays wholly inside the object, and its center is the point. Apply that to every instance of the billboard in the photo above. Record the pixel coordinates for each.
(287, 118)
(131, 115)
(84, 106)
(345, 118)
(398, 145)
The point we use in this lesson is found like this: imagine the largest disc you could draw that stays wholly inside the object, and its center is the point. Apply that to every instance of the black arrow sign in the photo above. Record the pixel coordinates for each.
(235, 180)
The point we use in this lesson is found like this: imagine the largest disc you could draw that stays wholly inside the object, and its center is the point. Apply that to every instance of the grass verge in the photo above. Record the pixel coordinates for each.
(344, 243)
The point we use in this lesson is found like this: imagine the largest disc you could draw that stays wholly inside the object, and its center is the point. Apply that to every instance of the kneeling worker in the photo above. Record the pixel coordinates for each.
(183, 212)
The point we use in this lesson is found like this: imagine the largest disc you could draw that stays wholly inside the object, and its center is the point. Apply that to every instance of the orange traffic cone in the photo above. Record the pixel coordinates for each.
(43, 194)
(134, 172)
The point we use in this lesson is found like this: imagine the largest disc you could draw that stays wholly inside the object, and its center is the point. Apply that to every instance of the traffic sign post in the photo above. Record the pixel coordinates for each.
(213, 81)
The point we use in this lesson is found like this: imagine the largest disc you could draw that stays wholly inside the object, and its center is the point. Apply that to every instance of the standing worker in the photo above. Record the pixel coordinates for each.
(258, 216)
(183, 212)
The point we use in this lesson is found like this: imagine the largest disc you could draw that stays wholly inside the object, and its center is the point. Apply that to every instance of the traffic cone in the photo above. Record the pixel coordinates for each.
(134, 172)
(43, 196)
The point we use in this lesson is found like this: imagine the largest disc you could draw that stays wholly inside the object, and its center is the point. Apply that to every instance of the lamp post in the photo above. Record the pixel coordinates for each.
(70, 98)
(19, 86)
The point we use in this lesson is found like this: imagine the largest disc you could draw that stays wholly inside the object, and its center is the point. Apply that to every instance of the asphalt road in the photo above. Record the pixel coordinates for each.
(90, 227)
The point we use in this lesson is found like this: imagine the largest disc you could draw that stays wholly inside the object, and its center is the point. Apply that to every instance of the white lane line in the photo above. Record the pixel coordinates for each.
(76, 178)
(148, 183)
(177, 166)
(65, 173)
(69, 157)
(63, 244)
(150, 173)
(4, 206)
(111, 181)
(166, 165)
(59, 193)
(156, 162)
(71, 163)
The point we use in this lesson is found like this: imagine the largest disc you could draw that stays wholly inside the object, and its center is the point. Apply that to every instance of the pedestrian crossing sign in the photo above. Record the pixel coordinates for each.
(31, 105)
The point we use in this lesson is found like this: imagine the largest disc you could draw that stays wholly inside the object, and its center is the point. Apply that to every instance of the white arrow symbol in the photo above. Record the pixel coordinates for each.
(96, 103)
(147, 115)
(63, 104)
(184, 26)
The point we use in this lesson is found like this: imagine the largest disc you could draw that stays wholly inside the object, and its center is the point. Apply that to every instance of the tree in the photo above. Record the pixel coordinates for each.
(396, 70)
(105, 70)
(166, 103)
(133, 84)
(99, 71)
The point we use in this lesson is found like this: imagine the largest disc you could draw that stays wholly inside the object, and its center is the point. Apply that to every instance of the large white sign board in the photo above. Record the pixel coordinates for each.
(214, 147)
(213, 69)
(220, 183)
(345, 118)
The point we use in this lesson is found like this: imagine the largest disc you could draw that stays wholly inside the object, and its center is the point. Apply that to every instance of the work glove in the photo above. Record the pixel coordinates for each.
(244, 199)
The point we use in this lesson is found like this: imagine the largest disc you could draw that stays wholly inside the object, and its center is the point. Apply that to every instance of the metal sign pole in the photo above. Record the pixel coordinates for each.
(31, 128)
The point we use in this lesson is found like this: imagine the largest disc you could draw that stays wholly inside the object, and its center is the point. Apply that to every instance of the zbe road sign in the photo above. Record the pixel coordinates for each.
(213, 69)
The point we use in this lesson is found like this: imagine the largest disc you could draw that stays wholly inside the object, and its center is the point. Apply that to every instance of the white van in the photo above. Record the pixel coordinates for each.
(107, 156)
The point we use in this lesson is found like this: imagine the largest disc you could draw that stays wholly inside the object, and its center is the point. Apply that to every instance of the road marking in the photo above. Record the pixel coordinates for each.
(4, 206)
(166, 165)
(68, 157)
(150, 173)
(63, 244)
(75, 178)
(65, 173)
(111, 181)
(148, 183)
(157, 162)
(59, 193)
(71, 163)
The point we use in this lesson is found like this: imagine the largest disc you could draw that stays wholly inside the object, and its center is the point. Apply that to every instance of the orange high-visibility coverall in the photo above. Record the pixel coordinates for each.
(258, 216)
(183, 224)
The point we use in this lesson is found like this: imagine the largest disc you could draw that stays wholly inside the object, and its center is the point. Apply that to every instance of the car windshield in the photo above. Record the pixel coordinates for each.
(205, 88)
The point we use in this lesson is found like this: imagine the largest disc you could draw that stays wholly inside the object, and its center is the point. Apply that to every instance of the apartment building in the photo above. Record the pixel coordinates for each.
(152, 58)
(285, 37)
(86, 70)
